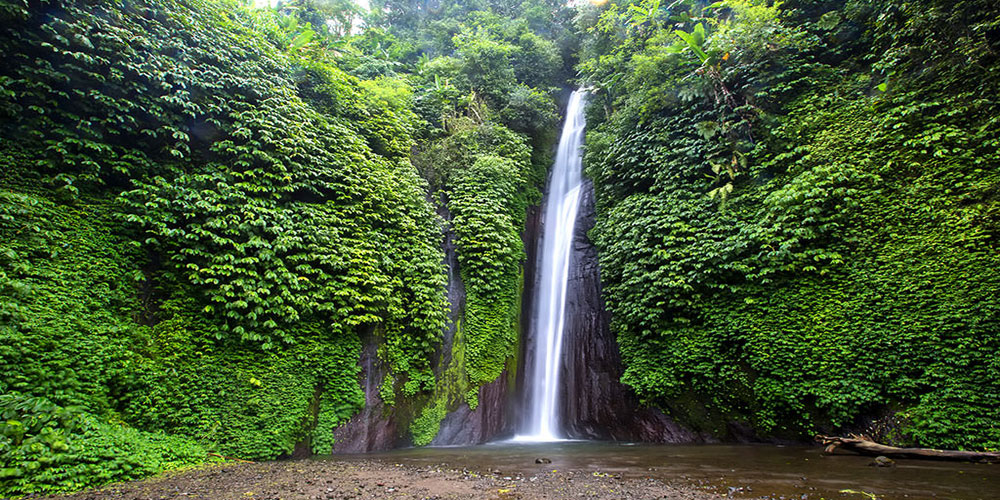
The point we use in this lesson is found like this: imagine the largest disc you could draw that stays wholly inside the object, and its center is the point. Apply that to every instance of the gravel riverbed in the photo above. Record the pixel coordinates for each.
(358, 479)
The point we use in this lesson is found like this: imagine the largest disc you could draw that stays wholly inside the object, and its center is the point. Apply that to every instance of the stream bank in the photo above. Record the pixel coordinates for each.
(363, 478)
(574, 469)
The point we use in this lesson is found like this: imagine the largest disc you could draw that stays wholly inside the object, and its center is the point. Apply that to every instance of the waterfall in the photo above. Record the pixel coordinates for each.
(541, 419)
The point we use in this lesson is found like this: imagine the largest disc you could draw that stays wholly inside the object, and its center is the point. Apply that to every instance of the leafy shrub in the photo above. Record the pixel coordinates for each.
(849, 270)
(198, 219)
(46, 448)
(529, 110)
(487, 229)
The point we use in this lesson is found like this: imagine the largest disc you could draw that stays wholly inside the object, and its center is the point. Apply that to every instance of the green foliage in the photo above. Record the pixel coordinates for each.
(202, 207)
(529, 110)
(486, 63)
(68, 292)
(850, 270)
(231, 197)
(485, 78)
(334, 18)
(245, 404)
(483, 172)
(72, 337)
(695, 40)
(426, 426)
(47, 448)
(200, 216)
(207, 204)
(536, 60)
(386, 392)
(477, 62)
(487, 227)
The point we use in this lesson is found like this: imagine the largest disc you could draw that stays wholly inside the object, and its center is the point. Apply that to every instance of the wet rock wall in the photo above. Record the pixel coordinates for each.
(379, 427)
(598, 406)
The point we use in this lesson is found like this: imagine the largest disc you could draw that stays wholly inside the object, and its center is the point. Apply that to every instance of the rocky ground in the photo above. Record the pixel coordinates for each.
(357, 479)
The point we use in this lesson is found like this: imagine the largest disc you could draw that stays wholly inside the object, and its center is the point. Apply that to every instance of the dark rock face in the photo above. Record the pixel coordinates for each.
(378, 428)
(495, 416)
(456, 292)
(490, 418)
(373, 428)
(465, 426)
(531, 238)
(598, 406)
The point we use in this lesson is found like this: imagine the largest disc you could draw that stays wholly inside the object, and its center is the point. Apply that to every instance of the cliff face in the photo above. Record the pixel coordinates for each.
(599, 406)
(465, 426)
(380, 427)
(375, 427)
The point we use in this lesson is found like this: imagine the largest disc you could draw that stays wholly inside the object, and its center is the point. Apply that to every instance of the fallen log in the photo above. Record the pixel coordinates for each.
(864, 446)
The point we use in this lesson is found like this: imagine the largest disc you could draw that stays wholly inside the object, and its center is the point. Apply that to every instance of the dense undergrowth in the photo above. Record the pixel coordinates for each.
(484, 78)
(204, 208)
(192, 244)
(798, 213)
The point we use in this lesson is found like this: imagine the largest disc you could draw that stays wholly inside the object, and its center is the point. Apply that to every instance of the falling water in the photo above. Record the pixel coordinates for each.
(541, 422)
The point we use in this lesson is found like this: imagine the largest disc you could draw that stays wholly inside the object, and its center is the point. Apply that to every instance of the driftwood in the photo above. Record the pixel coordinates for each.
(864, 446)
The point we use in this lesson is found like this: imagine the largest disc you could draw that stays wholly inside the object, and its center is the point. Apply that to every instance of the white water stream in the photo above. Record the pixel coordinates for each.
(541, 423)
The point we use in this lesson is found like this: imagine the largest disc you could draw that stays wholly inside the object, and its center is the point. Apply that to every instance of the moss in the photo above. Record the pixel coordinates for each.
(426, 426)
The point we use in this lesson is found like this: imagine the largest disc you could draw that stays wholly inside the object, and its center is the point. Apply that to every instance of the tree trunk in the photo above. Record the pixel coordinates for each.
(865, 446)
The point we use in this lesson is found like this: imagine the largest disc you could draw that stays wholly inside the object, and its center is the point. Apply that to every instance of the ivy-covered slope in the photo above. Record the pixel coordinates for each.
(197, 219)
(206, 206)
(484, 77)
(799, 215)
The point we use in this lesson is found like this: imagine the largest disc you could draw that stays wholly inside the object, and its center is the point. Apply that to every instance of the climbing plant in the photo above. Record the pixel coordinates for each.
(201, 218)
(796, 220)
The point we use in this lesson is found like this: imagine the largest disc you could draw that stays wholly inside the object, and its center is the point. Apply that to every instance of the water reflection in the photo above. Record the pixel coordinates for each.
(737, 470)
